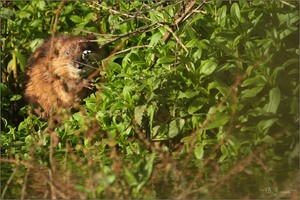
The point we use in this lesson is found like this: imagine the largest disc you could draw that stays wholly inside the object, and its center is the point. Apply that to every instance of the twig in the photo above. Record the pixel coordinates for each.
(286, 3)
(141, 136)
(112, 11)
(240, 166)
(133, 15)
(202, 127)
(117, 37)
(137, 32)
(196, 10)
(8, 183)
(93, 33)
(53, 187)
(25, 183)
(129, 49)
(52, 167)
(57, 12)
(181, 17)
(170, 31)
(18, 162)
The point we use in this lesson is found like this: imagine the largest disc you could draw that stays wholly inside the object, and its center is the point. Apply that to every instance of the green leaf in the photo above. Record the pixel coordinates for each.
(165, 60)
(15, 97)
(127, 92)
(222, 15)
(257, 81)
(75, 18)
(129, 177)
(199, 151)
(6, 13)
(251, 92)
(287, 32)
(217, 121)
(264, 125)
(5, 91)
(148, 167)
(187, 94)
(139, 113)
(34, 44)
(175, 127)
(268, 139)
(22, 126)
(256, 20)
(196, 105)
(115, 67)
(36, 23)
(208, 67)
(235, 11)
(150, 113)
(21, 59)
(90, 102)
(24, 14)
(274, 100)
(217, 84)
(155, 39)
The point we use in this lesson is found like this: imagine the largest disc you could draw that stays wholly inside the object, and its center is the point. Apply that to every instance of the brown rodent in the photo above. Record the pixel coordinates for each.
(57, 72)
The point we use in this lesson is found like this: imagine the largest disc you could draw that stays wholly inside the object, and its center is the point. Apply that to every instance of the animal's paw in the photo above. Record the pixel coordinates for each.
(90, 84)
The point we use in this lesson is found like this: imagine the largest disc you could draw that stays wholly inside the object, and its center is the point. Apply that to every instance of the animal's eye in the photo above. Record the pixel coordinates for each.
(86, 54)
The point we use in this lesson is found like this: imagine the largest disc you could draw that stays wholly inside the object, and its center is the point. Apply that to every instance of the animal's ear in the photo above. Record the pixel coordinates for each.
(38, 53)
(91, 37)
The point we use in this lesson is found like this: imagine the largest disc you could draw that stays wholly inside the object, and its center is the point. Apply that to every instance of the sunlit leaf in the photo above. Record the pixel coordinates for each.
(138, 114)
(187, 94)
(199, 151)
(235, 10)
(155, 39)
(15, 97)
(6, 13)
(75, 18)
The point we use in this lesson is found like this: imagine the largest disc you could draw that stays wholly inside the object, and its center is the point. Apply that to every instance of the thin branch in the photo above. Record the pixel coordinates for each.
(286, 3)
(175, 36)
(17, 162)
(129, 49)
(25, 183)
(141, 136)
(137, 32)
(132, 15)
(8, 183)
(181, 17)
(54, 188)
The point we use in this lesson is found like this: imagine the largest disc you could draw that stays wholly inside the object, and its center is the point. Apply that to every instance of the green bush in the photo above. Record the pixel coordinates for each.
(197, 100)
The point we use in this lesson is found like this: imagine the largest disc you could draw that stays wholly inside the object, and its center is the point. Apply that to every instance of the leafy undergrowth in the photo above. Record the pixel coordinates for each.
(197, 100)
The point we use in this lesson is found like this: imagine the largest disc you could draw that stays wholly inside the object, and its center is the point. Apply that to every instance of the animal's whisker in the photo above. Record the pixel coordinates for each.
(81, 63)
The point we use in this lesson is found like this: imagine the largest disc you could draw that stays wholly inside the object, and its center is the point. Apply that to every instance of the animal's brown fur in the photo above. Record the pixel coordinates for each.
(55, 79)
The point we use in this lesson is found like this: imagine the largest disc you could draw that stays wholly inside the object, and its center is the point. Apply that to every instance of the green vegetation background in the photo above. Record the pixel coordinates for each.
(197, 100)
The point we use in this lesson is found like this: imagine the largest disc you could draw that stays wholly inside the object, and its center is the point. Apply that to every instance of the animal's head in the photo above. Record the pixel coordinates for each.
(71, 57)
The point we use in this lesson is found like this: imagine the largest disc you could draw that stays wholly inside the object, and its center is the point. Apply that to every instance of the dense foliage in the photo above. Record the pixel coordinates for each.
(197, 100)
